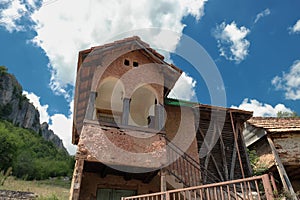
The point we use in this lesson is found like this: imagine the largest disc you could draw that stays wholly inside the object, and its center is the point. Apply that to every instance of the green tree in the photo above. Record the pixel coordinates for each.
(283, 114)
(3, 70)
(31, 156)
(7, 152)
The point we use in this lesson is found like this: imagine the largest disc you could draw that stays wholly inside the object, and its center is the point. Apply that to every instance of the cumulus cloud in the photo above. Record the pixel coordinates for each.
(35, 100)
(262, 109)
(264, 13)
(184, 88)
(11, 15)
(295, 28)
(289, 82)
(60, 124)
(65, 27)
(232, 42)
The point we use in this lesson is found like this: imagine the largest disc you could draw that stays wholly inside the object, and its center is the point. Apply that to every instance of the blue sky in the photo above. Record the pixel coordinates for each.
(255, 46)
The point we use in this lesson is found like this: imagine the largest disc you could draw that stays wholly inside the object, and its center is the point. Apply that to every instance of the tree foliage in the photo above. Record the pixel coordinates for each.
(30, 155)
(282, 114)
(3, 70)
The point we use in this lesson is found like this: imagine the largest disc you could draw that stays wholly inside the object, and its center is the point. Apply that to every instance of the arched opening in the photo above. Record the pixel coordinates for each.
(109, 100)
(142, 108)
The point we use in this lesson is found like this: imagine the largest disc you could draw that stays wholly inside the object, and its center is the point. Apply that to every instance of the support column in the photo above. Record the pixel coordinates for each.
(76, 180)
(126, 109)
(159, 116)
(163, 181)
(91, 106)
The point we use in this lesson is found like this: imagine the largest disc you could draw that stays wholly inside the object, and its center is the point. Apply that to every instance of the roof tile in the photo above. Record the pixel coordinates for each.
(275, 124)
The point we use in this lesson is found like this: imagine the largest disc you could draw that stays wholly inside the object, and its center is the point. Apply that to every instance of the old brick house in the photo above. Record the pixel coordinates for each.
(277, 145)
(133, 139)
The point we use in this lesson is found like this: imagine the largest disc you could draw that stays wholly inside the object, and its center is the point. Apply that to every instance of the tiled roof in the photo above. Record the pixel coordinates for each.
(274, 124)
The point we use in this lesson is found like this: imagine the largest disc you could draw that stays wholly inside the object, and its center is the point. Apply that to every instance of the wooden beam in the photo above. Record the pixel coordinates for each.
(240, 131)
(211, 155)
(163, 181)
(76, 180)
(222, 146)
(281, 170)
(236, 144)
(233, 159)
(206, 166)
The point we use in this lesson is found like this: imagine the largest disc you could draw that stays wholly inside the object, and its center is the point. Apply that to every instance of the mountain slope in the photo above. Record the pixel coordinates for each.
(30, 155)
(16, 108)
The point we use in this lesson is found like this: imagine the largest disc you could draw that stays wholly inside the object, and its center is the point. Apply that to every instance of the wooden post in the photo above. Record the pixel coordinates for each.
(236, 144)
(273, 183)
(163, 182)
(267, 187)
(76, 180)
(282, 173)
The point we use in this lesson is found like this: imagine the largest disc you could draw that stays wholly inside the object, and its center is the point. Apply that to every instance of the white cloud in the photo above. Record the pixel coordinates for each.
(35, 100)
(231, 41)
(289, 82)
(295, 28)
(262, 109)
(12, 14)
(63, 32)
(184, 88)
(60, 124)
(65, 27)
(264, 13)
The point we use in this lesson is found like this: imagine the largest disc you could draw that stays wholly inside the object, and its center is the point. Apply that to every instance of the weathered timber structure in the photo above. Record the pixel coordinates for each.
(277, 144)
(132, 139)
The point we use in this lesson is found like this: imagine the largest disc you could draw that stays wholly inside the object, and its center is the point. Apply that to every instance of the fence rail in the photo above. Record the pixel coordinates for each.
(253, 188)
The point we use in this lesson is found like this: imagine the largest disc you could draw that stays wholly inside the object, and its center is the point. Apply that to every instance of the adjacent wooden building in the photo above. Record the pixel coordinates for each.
(277, 144)
(133, 139)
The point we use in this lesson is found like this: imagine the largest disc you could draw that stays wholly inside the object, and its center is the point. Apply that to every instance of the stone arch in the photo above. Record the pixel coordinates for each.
(109, 100)
(142, 106)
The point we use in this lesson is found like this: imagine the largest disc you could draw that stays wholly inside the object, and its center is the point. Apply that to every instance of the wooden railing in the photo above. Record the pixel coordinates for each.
(253, 188)
(185, 168)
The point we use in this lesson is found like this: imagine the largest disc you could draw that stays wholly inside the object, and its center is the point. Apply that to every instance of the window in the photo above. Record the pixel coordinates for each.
(114, 194)
(126, 62)
(135, 64)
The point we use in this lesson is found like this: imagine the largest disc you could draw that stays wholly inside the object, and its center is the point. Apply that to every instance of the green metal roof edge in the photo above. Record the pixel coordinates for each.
(178, 102)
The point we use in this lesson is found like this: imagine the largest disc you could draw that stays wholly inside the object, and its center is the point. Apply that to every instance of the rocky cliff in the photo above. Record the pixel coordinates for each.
(17, 109)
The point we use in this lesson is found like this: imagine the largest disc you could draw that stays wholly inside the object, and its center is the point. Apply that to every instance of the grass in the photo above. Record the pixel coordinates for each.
(51, 189)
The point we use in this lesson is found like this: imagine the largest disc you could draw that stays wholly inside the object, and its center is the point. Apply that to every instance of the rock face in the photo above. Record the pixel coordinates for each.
(49, 135)
(16, 108)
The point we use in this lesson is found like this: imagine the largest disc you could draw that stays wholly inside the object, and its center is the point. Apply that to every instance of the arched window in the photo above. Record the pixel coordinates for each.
(109, 100)
(142, 107)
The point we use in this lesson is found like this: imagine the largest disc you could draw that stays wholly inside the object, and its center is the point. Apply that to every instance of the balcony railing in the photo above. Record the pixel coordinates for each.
(258, 187)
